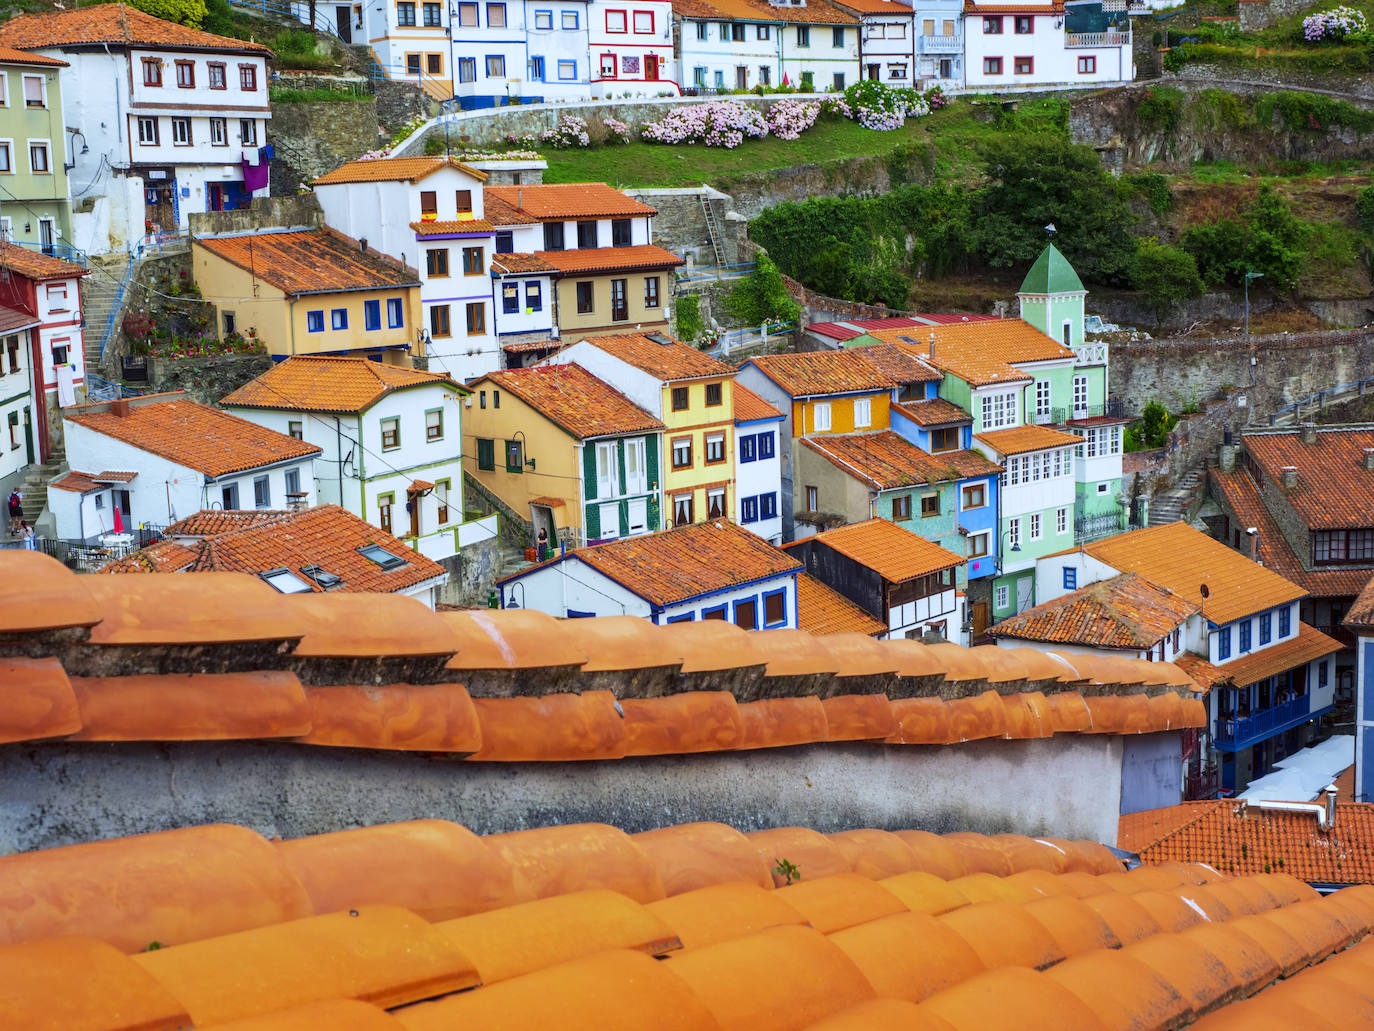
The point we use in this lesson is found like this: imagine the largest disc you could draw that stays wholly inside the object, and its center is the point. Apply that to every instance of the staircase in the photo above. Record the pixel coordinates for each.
(513, 560)
(712, 229)
(1170, 506)
(36, 480)
(102, 292)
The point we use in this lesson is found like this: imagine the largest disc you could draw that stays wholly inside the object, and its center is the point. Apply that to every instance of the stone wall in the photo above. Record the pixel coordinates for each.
(51, 795)
(819, 308)
(680, 225)
(206, 379)
(1260, 14)
(472, 572)
(262, 213)
(1350, 87)
(311, 139)
(399, 102)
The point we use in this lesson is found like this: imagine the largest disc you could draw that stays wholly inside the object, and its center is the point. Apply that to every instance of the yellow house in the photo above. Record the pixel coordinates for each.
(569, 451)
(693, 394)
(310, 291)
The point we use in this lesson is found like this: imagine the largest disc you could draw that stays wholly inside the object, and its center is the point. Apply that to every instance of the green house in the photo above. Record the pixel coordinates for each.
(35, 205)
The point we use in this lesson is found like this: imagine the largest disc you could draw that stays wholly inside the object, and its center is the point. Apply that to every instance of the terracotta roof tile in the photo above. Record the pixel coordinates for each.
(1181, 558)
(1334, 488)
(1126, 611)
(735, 10)
(823, 610)
(1361, 612)
(576, 400)
(1307, 644)
(501, 263)
(407, 170)
(116, 24)
(1238, 493)
(499, 213)
(76, 482)
(610, 259)
(934, 412)
(12, 55)
(1020, 439)
(890, 7)
(472, 225)
(749, 407)
(162, 557)
(669, 361)
(34, 264)
(211, 522)
(1137, 831)
(895, 553)
(12, 320)
(673, 565)
(558, 201)
(817, 373)
(887, 460)
(324, 384)
(1204, 674)
(529, 346)
(194, 435)
(980, 353)
(311, 261)
(326, 536)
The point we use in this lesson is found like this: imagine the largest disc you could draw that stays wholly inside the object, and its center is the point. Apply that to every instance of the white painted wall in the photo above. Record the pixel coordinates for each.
(761, 476)
(888, 43)
(822, 58)
(914, 615)
(1053, 60)
(475, 43)
(557, 32)
(16, 403)
(640, 387)
(648, 33)
(711, 47)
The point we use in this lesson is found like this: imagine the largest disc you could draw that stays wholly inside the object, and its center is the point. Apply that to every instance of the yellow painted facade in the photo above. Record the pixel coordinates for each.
(282, 323)
(575, 325)
(556, 454)
(842, 414)
(696, 423)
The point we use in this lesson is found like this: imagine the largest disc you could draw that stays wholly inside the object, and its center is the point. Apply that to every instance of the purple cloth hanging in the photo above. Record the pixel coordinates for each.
(255, 176)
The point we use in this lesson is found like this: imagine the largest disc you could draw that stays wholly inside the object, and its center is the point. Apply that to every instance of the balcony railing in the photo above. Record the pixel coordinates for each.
(940, 45)
(1233, 734)
(1201, 784)
(1097, 39)
(58, 250)
(1340, 633)
(1090, 528)
(1113, 409)
(1048, 417)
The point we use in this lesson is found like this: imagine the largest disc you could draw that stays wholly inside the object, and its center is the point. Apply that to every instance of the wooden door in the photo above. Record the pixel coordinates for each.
(980, 618)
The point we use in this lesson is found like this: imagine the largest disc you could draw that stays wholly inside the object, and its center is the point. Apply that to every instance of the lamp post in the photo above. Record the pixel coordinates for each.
(1249, 276)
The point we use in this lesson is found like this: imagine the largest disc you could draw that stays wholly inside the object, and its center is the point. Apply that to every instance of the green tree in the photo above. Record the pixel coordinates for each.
(1364, 207)
(1040, 179)
(1165, 275)
(183, 12)
(1266, 238)
(762, 295)
(1155, 424)
(689, 323)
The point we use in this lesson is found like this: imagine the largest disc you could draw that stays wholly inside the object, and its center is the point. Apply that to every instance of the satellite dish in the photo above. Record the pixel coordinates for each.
(1204, 591)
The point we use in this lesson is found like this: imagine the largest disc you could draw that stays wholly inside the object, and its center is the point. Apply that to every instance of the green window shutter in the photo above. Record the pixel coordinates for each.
(593, 522)
(623, 510)
(589, 471)
(486, 453)
(651, 446)
(620, 462)
(655, 516)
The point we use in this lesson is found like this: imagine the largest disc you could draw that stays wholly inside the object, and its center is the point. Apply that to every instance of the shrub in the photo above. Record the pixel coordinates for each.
(620, 132)
(1364, 207)
(721, 123)
(1312, 111)
(183, 12)
(788, 119)
(1266, 238)
(1165, 275)
(1160, 107)
(689, 322)
(1334, 25)
(762, 295)
(569, 132)
(1154, 187)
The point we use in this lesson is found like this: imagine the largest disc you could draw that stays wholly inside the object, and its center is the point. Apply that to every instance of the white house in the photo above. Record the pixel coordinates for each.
(939, 28)
(18, 445)
(427, 212)
(388, 439)
(820, 44)
(727, 44)
(710, 570)
(558, 51)
(489, 63)
(887, 42)
(1035, 44)
(163, 119)
(758, 464)
(631, 46)
(154, 459)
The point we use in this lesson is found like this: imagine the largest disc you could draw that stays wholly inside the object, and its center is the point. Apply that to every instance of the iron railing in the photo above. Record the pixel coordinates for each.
(58, 250)
(1241, 731)
(698, 273)
(1091, 527)
(1113, 409)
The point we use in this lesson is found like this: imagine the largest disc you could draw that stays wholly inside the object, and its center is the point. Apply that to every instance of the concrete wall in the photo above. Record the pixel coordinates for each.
(1151, 771)
(62, 794)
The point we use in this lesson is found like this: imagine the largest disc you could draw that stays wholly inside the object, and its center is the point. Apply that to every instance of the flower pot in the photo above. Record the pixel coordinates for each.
(530, 554)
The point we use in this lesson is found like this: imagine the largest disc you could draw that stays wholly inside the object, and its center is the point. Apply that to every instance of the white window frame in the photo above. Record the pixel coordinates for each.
(863, 413)
(636, 467)
(1035, 526)
(42, 80)
(248, 132)
(607, 470)
(219, 132)
(970, 550)
(1013, 533)
(1061, 520)
(8, 147)
(1080, 394)
(143, 141)
(1042, 398)
(820, 416)
(46, 147)
(181, 124)
(999, 410)
(1003, 596)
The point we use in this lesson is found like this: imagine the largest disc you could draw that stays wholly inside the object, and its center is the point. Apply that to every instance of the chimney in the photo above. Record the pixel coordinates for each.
(120, 409)
(1369, 458)
(362, 245)
(1226, 458)
(1331, 807)
(932, 346)
(1308, 432)
(1289, 476)
(1253, 533)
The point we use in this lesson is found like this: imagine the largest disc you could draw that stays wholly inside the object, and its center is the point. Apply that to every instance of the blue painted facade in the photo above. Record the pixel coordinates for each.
(1364, 716)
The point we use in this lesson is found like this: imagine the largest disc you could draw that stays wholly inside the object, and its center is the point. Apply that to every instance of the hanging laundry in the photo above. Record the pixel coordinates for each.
(255, 176)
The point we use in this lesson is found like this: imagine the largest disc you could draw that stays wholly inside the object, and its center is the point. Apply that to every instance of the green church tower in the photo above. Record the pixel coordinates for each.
(1051, 298)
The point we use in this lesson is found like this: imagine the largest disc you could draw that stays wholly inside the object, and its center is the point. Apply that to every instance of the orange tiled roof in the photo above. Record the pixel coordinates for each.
(115, 24)
(933, 412)
(672, 361)
(1236, 491)
(674, 565)
(520, 263)
(34, 264)
(327, 384)
(552, 346)
(11, 55)
(1306, 645)
(876, 7)
(163, 557)
(888, 460)
(555, 201)
(823, 610)
(76, 482)
(893, 552)
(211, 522)
(405, 170)
(1240, 839)
(425, 925)
(326, 536)
(817, 373)
(1126, 611)
(574, 399)
(1203, 672)
(1361, 613)
(194, 435)
(1020, 439)
(610, 259)
(1334, 488)
(749, 407)
(499, 213)
(472, 225)
(734, 10)
(980, 353)
(310, 261)
(1181, 558)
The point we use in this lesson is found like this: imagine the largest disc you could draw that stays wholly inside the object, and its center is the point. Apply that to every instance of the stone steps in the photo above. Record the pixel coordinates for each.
(1170, 506)
(98, 292)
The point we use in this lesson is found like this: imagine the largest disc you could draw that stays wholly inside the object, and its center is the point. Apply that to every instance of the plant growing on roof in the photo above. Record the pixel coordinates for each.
(787, 871)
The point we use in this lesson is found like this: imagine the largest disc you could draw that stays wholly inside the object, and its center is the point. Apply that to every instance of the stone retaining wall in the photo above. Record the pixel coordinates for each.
(311, 139)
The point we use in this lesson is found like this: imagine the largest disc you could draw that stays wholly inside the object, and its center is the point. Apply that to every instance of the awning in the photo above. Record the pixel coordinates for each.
(1309, 643)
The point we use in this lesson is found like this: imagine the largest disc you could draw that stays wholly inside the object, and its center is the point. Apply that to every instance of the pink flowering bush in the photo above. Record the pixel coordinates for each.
(788, 119)
(568, 133)
(1334, 25)
(620, 131)
(721, 123)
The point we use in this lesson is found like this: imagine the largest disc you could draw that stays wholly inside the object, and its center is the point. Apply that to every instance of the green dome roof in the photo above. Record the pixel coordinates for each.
(1051, 274)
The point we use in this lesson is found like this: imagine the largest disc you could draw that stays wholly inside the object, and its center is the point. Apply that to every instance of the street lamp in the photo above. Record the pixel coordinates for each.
(1249, 276)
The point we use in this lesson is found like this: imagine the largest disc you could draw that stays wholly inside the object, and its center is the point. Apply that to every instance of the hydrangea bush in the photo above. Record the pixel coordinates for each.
(788, 119)
(721, 123)
(1336, 24)
(568, 133)
(620, 131)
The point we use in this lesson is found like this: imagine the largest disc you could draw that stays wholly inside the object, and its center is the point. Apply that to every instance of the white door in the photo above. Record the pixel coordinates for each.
(639, 516)
(607, 470)
(610, 521)
(1025, 589)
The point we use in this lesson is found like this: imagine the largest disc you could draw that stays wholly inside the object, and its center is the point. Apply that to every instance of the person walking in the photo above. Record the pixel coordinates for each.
(16, 511)
(29, 535)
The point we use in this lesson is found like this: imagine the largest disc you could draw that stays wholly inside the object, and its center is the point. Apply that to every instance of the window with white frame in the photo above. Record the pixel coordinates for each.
(33, 91)
(1080, 394)
(820, 416)
(607, 469)
(1035, 526)
(1116, 440)
(1014, 533)
(636, 467)
(999, 410)
(39, 157)
(1042, 398)
(219, 133)
(863, 413)
(6, 161)
(977, 545)
(1002, 596)
(1061, 521)
(248, 132)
